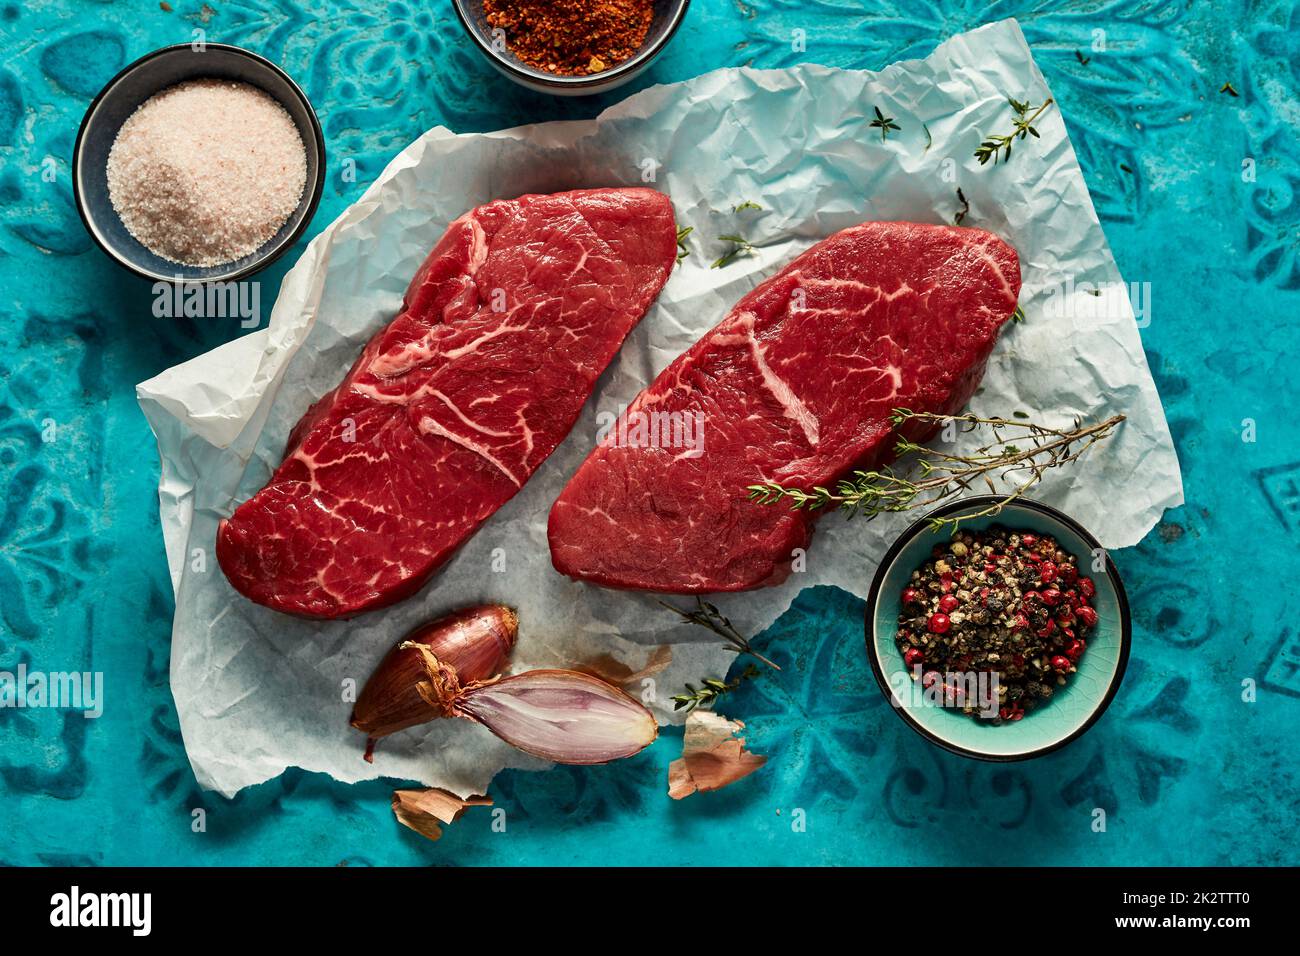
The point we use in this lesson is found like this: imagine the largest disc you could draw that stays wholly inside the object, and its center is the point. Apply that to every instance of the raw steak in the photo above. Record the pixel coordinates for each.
(452, 407)
(795, 385)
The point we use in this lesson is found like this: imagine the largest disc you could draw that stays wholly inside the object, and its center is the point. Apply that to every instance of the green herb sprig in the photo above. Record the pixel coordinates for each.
(996, 147)
(683, 250)
(1018, 456)
(707, 615)
(740, 247)
(710, 689)
(884, 124)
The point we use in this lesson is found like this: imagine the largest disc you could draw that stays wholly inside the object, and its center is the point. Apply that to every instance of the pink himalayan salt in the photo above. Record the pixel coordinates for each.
(206, 171)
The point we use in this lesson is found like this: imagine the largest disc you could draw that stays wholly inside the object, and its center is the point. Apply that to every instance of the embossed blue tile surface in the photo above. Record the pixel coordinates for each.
(1199, 191)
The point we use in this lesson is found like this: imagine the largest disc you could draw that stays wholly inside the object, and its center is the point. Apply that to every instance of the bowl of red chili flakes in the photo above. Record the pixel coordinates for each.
(1004, 639)
(571, 47)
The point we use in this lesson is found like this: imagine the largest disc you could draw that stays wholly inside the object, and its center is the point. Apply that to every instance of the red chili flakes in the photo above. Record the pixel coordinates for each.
(571, 37)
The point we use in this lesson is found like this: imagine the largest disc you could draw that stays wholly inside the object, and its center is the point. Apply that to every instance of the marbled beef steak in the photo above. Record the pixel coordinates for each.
(452, 407)
(796, 385)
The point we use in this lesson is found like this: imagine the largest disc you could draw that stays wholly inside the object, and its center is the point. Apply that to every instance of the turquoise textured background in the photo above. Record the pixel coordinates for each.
(1199, 191)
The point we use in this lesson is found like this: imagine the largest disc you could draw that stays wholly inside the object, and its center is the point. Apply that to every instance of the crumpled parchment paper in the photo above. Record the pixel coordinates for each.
(258, 691)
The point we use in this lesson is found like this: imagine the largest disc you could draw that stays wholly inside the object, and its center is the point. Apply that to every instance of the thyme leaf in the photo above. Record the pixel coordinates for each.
(682, 249)
(884, 124)
(740, 246)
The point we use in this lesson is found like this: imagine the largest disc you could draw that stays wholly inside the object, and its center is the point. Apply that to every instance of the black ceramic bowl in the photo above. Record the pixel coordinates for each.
(129, 89)
(668, 15)
(1073, 708)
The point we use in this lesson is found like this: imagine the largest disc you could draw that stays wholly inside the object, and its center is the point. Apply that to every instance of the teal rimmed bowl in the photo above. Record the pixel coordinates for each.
(1072, 709)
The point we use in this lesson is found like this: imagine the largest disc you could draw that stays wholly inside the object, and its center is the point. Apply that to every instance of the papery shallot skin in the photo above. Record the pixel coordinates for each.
(451, 408)
(796, 385)
(475, 641)
(563, 716)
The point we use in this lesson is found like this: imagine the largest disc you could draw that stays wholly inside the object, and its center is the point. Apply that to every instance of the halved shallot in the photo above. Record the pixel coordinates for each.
(560, 715)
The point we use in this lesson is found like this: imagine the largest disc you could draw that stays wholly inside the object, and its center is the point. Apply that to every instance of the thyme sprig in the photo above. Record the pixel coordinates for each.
(1016, 458)
(707, 615)
(710, 690)
(884, 124)
(996, 146)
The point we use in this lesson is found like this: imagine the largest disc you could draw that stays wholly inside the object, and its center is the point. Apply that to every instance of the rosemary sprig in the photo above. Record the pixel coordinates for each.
(884, 124)
(747, 204)
(1018, 456)
(929, 140)
(1024, 126)
(682, 249)
(706, 615)
(710, 690)
(740, 247)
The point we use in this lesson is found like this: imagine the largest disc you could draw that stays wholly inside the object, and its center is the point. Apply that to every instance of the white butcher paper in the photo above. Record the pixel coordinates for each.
(258, 691)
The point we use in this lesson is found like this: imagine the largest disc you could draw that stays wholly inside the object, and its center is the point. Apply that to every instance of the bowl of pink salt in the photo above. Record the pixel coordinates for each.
(198, 163)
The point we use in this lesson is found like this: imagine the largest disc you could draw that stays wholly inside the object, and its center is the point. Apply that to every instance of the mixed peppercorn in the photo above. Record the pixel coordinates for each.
(571, 37)
(1008, 603)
